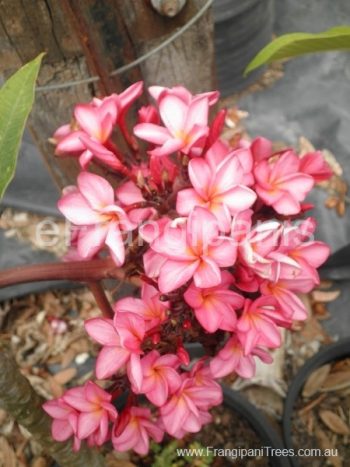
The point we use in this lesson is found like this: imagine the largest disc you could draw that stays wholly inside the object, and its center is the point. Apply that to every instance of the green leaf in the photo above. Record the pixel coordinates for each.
(300, 43)
(16, 101)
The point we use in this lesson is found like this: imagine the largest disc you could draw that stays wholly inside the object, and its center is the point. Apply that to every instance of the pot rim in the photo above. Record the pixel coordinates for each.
(258, 422)
(332, 352)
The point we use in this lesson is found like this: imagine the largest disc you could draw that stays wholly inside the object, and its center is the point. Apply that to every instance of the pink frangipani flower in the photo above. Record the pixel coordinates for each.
(241, 225)
(186, 125)
(314, 164)
(95, 122)
(94, 409)
(308, 256)
(218, 188)
(133, 429)
(182, 93)
(298, 256)
(193, 249)
(258, 324)
(124, 99)
(121, 340)
(92, 205)
(245, 279)
(274, 251)
(231, 358)
(150, 232)
(260, 148)
(201, 374)
(215, 307)
(148, 114)
(97, 119)
(220, 150)
(65, 421)
(289, 303)
(160, 378)
(90, 135)
(148, 307)
(281, 184)
(131, 199)
(183, 410)
(259, 250)
(204, 417)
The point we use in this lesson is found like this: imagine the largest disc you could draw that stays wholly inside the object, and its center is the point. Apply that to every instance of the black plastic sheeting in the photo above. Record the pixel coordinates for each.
(313, 100)
(242, 28)
(14, 253)
(32, 188)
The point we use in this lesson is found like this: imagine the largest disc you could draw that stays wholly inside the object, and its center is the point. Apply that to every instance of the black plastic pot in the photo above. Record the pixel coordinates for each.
(259, 423)
(256, 419)
(241, 406)
(330, 353)
(242, 28)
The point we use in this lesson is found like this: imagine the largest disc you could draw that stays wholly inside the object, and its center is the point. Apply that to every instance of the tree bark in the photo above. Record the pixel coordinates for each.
(18, 398)
(93, 37)
(82, 38)
(189, 60)
(26, 29)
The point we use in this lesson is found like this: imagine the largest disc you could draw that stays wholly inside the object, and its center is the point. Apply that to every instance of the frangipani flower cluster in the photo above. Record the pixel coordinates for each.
(220, 242)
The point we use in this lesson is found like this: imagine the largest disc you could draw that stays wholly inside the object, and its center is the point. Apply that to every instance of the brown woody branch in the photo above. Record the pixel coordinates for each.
(101, 299)
(18, 398)
(79, 271)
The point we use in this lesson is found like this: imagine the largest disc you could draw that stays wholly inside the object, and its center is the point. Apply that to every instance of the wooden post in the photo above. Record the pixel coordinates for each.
(189, 60)
(26, 29)
(85, 38)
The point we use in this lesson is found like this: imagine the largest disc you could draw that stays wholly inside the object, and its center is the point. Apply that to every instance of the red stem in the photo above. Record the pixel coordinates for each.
(109, 144)
(141, 204)
(129, 139)
(101, 299)
(80, 271)
(121, 170)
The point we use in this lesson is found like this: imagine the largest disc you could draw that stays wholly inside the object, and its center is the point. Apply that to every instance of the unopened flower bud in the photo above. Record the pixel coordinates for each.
(187, 324)
(183, 355)
(155, 338)
(148, 114)
(140, 179)
(165, 176)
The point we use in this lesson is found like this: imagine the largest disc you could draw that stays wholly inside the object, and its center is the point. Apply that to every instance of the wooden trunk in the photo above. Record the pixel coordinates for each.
(189, 60)
(85, 38)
